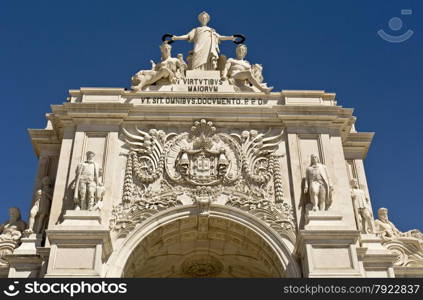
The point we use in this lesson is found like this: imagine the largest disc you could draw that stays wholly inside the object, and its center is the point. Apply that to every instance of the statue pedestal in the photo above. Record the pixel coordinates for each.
(321, 220)
(328, 247)
(79, 245)
(29, 244)
(25, 262)
(375, 260)
(196, 81)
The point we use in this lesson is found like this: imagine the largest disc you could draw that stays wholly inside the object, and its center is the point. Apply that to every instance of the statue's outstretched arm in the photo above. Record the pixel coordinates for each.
(180, 37)
(226, 38)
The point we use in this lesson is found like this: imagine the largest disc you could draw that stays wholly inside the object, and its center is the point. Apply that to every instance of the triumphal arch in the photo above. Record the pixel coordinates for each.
(200, 169)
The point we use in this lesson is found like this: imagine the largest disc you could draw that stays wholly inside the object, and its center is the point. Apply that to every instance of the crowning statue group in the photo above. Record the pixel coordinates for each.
(204, 56)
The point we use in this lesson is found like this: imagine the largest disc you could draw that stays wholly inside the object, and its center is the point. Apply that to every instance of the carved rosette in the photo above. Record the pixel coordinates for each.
(202, 267)
(204, 166)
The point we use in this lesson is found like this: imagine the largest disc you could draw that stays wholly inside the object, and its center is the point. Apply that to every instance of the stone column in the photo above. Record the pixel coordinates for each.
(342, 193)
(60, 186)
(113, 175)
(41, 169)
(327, 240)
(295, 177)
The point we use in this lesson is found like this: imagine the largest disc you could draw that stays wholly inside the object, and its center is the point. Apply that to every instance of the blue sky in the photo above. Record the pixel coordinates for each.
(49, 47)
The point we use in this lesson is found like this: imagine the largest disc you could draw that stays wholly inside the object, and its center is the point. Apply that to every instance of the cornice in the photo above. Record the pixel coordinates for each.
(43, 138)
(357, 144)
(320, 112)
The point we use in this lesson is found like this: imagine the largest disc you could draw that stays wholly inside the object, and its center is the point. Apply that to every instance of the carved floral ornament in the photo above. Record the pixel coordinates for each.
(202, 166)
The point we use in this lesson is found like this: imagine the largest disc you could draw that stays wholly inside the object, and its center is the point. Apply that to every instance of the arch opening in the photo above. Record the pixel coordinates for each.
(203, 247)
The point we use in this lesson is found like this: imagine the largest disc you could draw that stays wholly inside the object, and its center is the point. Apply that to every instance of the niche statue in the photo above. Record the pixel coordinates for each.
(318, 185)
(88, 185)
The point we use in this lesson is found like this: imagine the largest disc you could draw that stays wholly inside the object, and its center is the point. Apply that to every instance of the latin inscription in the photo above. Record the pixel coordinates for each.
(203, 101)
(201, 85)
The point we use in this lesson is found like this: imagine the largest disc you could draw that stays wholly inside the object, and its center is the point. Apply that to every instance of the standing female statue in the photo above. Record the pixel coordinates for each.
(206, 44)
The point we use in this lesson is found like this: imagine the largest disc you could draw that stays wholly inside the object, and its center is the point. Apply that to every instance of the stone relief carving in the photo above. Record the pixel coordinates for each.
(167, 71)
(407, 245)
(318, 185)
(362, 210)
(88, 186)
(240, 72)
(202, 267)
(202, 167)
(11, 233)
(205, 54)
(38, 216)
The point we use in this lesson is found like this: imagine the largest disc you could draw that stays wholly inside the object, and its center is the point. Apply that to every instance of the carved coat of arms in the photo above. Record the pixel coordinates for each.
(205, 166)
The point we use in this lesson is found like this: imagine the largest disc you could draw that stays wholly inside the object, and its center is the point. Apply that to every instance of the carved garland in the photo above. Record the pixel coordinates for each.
(277, 179)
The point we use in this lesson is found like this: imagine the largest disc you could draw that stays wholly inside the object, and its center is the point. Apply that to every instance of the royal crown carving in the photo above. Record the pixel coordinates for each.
(202, 166)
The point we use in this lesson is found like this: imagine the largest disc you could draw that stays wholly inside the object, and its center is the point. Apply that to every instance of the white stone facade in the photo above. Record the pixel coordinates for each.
(192, 175)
